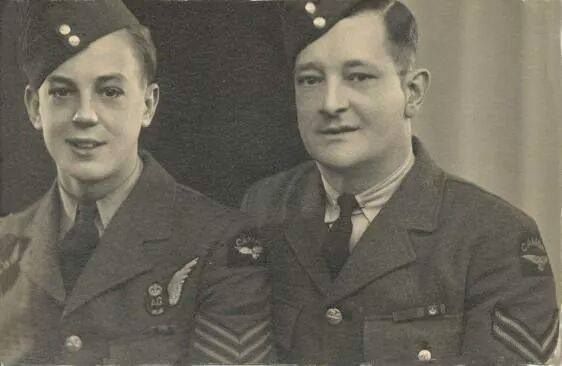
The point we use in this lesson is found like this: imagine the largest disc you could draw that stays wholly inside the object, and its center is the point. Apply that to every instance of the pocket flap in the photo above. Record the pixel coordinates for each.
(438, 337)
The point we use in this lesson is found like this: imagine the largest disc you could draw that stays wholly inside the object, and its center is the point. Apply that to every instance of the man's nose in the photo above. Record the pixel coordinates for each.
(85, 114)
(335, 99)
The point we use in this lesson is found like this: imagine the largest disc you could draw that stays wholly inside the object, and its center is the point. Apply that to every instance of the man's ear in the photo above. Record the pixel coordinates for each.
(31, 100)
(151, 97)
(415, 84)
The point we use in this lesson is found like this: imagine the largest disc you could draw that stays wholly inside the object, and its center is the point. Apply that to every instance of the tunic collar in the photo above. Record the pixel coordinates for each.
(107, 206)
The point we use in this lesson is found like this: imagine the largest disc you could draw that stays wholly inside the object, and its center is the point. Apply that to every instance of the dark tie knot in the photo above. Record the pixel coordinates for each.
(86, 213)
(347, 203)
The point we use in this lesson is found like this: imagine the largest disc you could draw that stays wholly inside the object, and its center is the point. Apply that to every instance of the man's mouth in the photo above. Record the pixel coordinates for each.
(84, 143)
(336, 130)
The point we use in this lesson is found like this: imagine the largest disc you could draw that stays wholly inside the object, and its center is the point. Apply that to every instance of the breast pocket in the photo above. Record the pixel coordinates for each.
(419, 339)
(164, 344)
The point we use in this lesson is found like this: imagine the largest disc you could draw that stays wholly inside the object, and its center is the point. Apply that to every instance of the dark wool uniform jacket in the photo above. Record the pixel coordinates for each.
(446, 271)
(140, 298)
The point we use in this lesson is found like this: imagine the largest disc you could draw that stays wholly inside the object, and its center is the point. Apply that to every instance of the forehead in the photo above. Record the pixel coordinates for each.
(358, 37)
(111, 54)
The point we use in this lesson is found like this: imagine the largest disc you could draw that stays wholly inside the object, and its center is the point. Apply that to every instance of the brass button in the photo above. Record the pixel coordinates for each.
(74, 40)
(334, 316)
(424, 355)
(73, 343)
(310, 7)
(319, 22)
(64, 29)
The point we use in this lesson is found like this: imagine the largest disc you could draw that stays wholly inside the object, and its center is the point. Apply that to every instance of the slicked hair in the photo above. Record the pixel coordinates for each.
(401, 29)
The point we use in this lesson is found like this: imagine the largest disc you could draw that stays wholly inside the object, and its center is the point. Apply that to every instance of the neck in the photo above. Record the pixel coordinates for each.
(95, 190)
(361, 177)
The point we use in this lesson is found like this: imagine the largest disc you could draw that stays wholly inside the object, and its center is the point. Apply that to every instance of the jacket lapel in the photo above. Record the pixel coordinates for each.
(40, 262)
(306, 230)
(145, 215)
(386, 244)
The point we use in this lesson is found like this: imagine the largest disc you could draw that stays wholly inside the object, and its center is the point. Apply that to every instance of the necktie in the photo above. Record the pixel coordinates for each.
(78, 244)
(336, 247)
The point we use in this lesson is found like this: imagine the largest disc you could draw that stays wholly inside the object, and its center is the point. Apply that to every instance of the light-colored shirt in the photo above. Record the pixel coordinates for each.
(370, 201)
(107, 206)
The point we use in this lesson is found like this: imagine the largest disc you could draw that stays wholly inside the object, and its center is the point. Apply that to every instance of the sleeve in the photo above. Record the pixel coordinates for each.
(233, 322)
(511, 309)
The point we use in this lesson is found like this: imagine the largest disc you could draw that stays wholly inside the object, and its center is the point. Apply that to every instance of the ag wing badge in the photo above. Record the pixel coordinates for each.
(158, 298)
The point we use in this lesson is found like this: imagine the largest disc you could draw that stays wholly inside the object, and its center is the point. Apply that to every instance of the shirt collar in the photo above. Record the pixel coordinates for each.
(107, 206)
(372, 199)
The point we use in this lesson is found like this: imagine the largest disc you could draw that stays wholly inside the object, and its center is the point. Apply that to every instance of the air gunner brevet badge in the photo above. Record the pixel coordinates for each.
(175, 287)
(158, 297)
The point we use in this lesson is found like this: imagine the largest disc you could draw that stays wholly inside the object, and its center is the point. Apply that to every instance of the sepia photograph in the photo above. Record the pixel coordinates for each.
(280, 182)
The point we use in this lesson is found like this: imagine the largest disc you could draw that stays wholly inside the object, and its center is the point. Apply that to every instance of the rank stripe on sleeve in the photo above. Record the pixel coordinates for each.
(219, 344)
(517, 337)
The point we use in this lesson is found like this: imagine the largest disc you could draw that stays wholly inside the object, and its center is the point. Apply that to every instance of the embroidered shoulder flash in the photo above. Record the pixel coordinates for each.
(533, 256)
(246, 250)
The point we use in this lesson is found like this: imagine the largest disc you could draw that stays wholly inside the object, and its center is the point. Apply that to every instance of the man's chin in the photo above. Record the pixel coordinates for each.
(87, 173)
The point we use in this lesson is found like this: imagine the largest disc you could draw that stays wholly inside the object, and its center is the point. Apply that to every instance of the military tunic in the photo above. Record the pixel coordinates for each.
(168, 283)
(446, 271)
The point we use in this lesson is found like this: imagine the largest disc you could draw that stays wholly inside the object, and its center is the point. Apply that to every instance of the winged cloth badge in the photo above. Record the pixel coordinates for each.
(158, 298)
(175, 286)
(246, 250)
(11, 252)
(534, 260)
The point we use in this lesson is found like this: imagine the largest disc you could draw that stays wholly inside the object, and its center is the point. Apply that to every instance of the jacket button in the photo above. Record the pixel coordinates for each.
(334, 316)
(64, 29)
(319, 22)
(73, 343)
(424, 355)
(310, 7)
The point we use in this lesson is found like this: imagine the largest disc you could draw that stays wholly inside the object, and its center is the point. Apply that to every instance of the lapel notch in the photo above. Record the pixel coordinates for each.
(306, 230)
(386, 245)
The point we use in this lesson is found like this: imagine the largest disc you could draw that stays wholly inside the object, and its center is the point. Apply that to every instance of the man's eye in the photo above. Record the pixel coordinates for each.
(308, 80)
(359, 76)
(60, 92)
(112, 92)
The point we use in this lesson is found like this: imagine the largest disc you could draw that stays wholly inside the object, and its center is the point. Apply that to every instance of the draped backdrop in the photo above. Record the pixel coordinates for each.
(226, 119)
(493, 112)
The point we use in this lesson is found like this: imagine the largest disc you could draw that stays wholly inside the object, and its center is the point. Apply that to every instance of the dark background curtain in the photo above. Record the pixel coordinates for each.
(224, 118)
(493, 113)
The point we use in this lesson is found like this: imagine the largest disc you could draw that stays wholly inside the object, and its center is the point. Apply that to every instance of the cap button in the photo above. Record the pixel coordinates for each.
(74, 40)
(319, 22)
(64, 29)
(310, 8)
(424, 355)
(334, 316)
(73, 343)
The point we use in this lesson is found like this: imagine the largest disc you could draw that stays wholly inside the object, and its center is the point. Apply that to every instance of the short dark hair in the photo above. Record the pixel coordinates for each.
(401, 28)
(145, 49)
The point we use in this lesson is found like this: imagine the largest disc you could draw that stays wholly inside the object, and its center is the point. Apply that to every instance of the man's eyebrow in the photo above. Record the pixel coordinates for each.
(60, 79)
(356, 63)
(109, 77)
(308, 66)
